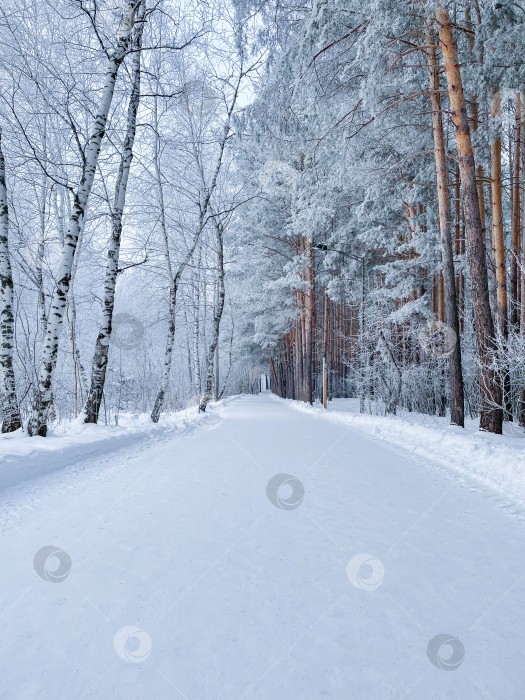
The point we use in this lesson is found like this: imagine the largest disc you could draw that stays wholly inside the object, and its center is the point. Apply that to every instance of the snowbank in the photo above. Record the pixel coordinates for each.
(23, 457)
(496, 461)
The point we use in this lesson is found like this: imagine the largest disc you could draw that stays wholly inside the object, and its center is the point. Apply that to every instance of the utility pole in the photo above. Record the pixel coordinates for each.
(325, 384)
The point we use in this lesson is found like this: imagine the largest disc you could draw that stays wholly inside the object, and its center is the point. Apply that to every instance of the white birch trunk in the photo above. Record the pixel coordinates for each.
(38, 422)
(217, 316)
(203, 214)
(196, 329)
(42, 317)
(100, 355)
(188, 349)
(161, 396)
(10, 412)
(173, 282)
(80, 372)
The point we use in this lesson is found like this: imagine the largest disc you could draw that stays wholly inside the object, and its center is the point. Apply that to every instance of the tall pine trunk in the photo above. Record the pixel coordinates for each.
(521, 407)
(455, 375)
(10, 413)
(516, 201)
(498, 243)
(100, 355)
(38, 422)
(498, 247)
(491, 414)
(309, 311)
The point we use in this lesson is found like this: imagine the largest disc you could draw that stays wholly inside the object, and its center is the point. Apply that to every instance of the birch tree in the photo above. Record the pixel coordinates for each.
(100, 355)
(90, 155)
(10, 413)
(204, 204)
(217, 316)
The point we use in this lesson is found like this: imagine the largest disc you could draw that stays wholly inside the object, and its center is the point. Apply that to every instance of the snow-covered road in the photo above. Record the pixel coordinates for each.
(187, 573)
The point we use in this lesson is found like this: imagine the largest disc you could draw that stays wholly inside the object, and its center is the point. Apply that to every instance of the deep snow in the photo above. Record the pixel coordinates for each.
(186, 572)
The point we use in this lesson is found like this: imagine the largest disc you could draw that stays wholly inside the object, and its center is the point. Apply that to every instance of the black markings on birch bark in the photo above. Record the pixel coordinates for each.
(38, 421)
(101, 353)
(10, 413)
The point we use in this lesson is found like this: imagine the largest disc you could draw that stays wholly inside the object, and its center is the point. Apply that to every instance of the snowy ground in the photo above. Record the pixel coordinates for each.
(186, 573)
(493, 460)
(23, 458)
